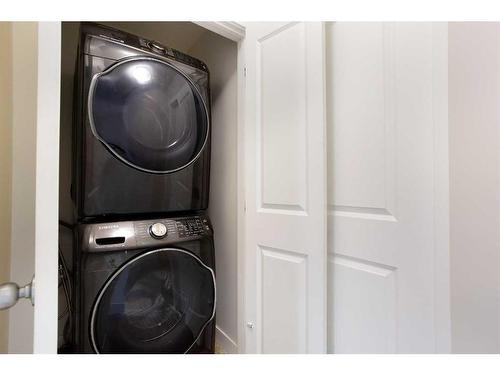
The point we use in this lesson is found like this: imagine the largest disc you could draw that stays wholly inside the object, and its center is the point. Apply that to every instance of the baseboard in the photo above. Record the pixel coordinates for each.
(223, 343)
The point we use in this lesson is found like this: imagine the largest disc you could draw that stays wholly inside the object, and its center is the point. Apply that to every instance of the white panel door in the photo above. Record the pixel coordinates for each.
(285, 165)
(385, 88)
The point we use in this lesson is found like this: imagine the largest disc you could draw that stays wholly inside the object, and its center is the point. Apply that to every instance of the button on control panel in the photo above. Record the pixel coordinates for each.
(158, 230)
(194, 226)
(156, 47)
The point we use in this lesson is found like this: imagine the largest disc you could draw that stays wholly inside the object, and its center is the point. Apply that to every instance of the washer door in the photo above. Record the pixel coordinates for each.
(149, 114)
(157, 302)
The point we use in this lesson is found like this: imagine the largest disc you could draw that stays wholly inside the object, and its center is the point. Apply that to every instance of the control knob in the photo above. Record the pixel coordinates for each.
(156, 47)
(158, 230)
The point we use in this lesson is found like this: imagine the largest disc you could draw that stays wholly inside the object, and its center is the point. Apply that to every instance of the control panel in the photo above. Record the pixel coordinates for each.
(115, 45)
(160, 49)
(195, 226)
(144, 233)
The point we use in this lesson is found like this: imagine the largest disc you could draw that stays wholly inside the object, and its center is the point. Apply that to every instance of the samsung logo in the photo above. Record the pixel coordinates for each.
(113, 226)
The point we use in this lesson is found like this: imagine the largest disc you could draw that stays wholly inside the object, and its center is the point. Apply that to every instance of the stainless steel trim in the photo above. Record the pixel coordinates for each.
(125, 265)
(91, 117)
(121, 41)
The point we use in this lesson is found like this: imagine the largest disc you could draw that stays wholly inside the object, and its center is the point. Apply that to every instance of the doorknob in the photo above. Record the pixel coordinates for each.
(10, 293)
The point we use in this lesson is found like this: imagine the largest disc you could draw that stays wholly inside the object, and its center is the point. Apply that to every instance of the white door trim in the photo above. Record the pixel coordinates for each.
(47, 187)
(229, 30)
(241, 205)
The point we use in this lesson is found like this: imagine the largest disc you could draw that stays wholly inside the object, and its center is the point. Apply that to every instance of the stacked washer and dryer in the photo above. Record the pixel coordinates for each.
(144, 258)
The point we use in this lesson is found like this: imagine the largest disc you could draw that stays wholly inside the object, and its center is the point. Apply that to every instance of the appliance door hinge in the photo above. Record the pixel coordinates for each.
(245, 71)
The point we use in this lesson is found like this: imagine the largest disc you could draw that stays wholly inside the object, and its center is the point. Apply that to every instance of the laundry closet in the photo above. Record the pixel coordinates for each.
(220, 56)
(328, 181)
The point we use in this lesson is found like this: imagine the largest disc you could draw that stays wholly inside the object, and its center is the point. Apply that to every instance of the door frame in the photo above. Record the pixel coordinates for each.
(47, 187)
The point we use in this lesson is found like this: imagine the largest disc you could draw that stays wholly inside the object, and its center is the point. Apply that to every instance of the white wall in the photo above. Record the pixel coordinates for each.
(22, 265)
(474, 114)
(5, 167)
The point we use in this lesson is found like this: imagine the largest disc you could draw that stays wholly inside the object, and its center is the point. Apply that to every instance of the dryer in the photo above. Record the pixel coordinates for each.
(142, 127)
(146, 286)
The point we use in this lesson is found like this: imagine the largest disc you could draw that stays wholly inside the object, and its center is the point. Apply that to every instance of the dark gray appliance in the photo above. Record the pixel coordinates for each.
(146, 286)
(142, 127)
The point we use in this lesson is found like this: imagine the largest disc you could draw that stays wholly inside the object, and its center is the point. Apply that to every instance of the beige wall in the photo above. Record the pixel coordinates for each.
(22, 265)
(5, 167)
(17, 176)
(474, 133)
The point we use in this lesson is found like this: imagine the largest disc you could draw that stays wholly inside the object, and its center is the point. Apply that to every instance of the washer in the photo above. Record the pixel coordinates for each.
(146, 286)
(142, 127)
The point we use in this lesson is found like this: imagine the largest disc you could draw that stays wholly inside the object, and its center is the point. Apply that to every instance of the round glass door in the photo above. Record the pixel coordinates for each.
(157, 302)
(148, 114)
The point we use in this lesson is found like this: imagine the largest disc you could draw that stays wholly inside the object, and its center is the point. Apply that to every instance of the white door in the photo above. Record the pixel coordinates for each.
(35, 172)
(285, 245)
(387, 187)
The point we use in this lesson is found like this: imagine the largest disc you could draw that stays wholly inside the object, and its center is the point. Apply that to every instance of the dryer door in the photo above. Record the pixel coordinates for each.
(157, 302)
(149, 114)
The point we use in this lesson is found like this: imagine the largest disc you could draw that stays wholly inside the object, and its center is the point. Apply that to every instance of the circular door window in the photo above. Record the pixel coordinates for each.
(157, 302)
(148, 114)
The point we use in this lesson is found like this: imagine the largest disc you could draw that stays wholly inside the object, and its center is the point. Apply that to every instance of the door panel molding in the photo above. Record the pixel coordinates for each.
(388, 187)
(282, 170)
(285, 163)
